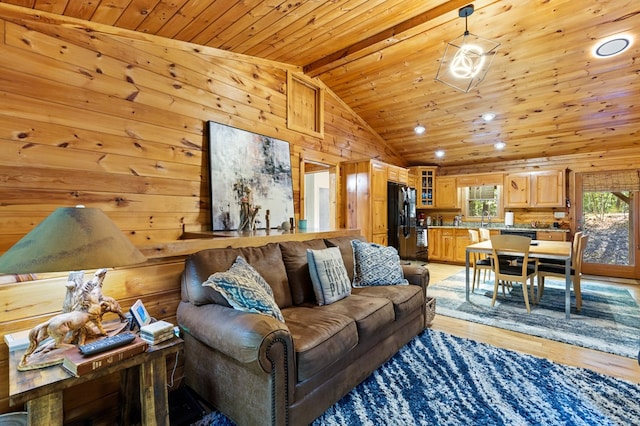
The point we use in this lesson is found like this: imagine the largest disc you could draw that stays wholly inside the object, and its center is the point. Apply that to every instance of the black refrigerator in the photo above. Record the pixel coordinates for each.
(401, 219)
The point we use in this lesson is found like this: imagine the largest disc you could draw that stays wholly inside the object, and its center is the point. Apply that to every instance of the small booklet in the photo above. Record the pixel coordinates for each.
(157, 332)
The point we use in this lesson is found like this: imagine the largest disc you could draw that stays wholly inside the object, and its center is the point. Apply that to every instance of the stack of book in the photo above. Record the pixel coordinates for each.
(156, 332)
(78, 364)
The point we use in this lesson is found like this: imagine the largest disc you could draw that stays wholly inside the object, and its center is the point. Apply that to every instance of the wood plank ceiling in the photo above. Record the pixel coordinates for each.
(550, 95)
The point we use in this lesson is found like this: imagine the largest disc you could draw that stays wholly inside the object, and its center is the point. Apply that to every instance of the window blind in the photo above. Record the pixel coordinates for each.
(617, 181)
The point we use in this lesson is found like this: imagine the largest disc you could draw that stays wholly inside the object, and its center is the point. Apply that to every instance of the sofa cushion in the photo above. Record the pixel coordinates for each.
(197, 269)
(344, 244)
(245, 289)
(371, 314)
(406, 299)
(376, 265)
(328, 275)
(267, 260)
(320, 337)
(294, 256)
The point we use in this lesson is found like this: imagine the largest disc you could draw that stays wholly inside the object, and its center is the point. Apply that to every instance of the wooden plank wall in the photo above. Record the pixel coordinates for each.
(109, 118)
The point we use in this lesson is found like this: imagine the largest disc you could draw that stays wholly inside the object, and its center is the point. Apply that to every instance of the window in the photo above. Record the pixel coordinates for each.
(479, 199)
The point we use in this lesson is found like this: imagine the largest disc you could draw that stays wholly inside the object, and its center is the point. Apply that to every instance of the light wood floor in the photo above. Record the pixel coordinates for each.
(613, 365)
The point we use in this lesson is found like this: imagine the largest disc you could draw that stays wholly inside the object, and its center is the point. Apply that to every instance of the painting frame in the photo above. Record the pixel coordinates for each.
(250, 179)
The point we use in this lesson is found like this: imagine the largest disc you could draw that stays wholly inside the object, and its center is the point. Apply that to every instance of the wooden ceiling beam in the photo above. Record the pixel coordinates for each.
(387, 38)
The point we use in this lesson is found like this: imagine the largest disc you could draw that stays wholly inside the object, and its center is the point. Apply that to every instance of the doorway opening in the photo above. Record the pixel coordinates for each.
(607, 210)
(318, 195)
(317, 199)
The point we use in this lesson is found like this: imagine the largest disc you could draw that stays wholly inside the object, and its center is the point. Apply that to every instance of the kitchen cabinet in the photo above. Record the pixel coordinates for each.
(551, 236)
(517, 191)
(462, 241)
(479, 180)
(398, 174)
(425, 186)
(379, 204)
(446, 193)
(548, 189)
(412, 182)
(365, 199)
(440, 244)
(448, 244)
(535, 189)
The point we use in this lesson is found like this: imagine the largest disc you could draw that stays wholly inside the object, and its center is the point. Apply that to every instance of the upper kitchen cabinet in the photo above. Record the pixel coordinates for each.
(517, 190)
(412, 181)
(480, 180)
(425, 186)
(535, 189)
(398, 174)
(446, 193)
(548, 189)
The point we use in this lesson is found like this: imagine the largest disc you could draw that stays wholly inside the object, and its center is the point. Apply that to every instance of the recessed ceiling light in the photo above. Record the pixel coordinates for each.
(488, 116)
(499, 145)
(439, 153)
(612, 46)
(419, 129)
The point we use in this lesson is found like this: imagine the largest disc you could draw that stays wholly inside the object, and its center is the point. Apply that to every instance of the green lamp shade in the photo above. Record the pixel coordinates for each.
(71, 239)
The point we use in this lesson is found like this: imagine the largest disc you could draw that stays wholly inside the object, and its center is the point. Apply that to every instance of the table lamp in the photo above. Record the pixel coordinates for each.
(70, 239)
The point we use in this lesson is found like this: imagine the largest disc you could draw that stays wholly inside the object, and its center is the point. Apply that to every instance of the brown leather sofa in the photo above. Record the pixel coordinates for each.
(257, 370)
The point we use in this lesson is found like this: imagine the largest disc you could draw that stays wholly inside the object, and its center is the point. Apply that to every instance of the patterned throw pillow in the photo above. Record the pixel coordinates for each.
(376, 265)
(328, 275)
(245, 289)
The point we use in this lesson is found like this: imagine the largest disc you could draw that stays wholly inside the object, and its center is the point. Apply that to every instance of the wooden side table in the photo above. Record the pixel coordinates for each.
(42, 389)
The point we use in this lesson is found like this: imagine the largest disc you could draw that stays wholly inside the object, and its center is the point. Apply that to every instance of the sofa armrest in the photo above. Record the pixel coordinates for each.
(417, 275)
(245, 337)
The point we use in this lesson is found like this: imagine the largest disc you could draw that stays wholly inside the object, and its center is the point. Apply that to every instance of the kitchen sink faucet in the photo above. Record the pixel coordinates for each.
(482, 222)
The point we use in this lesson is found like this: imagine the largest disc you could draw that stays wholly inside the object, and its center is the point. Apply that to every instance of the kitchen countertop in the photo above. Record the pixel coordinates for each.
(499, 227)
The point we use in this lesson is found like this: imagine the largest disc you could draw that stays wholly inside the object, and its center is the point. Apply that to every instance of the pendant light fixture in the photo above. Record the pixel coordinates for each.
(466, 59)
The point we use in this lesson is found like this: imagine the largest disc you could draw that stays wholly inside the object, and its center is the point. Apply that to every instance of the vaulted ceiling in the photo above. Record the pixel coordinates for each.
(551, 96)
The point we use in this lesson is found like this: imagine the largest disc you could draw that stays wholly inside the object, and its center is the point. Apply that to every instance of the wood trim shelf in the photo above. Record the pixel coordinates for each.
(195, 241)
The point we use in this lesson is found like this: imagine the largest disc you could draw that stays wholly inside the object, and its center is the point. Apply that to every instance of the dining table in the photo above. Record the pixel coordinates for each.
(541, 249)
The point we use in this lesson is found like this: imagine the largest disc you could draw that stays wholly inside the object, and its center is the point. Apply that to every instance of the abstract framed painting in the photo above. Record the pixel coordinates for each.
(250, 175)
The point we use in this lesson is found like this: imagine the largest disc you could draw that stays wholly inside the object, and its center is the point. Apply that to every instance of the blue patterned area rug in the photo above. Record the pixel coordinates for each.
(439, 379)
(609, 320)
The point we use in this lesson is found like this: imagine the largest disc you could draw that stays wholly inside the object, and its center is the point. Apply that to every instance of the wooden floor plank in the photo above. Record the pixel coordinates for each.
(601, 362)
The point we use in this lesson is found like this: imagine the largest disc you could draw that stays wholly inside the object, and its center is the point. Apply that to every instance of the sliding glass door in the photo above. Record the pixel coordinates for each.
(608, 205)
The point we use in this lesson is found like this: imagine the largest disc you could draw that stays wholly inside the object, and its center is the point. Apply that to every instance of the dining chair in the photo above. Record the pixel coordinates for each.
(508, 247)
(574, 250)
(549, 270)
(480, 262)
(485, 234)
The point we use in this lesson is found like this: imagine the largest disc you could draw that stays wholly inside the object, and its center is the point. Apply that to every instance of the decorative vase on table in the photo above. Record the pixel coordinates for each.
(247, 212)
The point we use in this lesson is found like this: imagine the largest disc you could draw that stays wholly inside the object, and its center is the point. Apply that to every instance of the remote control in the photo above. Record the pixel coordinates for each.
(106, 344)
